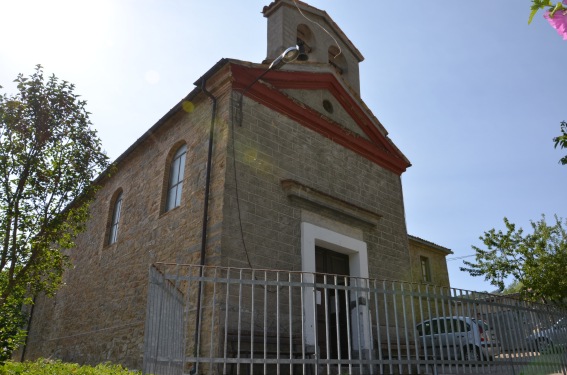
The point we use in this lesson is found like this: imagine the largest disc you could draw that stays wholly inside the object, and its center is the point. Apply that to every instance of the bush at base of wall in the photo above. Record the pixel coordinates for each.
(49, 367)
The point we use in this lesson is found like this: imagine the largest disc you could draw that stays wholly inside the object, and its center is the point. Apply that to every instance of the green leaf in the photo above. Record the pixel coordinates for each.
(557, 7)
(532, 14)
(536, 6)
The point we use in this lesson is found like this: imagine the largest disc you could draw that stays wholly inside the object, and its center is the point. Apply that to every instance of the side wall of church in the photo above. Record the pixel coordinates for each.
(99, 313)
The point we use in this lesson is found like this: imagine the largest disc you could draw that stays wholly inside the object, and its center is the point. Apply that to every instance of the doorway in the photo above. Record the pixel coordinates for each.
(333, 304)
(312, 237)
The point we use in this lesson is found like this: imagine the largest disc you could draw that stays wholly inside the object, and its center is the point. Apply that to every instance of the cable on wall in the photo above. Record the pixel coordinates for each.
(236, 190)
(318, 24)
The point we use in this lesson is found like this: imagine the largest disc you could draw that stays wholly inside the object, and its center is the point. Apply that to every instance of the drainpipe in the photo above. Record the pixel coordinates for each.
(205, 215)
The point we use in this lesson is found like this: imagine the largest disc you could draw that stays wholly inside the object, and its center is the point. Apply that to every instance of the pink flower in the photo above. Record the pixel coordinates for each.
(558, 21)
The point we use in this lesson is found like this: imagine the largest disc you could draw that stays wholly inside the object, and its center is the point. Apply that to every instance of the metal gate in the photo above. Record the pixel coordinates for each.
(165, 329)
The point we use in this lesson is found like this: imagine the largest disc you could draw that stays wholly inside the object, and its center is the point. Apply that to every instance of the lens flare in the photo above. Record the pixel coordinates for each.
(188, 106)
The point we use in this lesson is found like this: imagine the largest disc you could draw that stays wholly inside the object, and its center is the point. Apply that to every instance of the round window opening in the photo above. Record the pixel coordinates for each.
(328, 106)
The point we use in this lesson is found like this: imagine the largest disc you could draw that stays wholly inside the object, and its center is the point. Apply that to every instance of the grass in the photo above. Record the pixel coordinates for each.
(548, 363)
(50, 367)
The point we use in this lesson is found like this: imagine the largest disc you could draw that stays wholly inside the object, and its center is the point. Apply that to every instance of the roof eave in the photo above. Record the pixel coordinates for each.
(430, 244)
(176, 108)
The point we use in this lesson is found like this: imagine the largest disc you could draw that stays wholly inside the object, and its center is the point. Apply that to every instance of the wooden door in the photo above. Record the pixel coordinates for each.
(332, 316)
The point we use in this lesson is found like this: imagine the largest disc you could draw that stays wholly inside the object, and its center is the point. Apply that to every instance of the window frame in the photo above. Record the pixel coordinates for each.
(175, 178)
(425, 269)
(114, 218)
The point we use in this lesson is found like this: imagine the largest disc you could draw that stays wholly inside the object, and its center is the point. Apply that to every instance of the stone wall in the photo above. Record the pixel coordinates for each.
(270, 148)
(99, 313)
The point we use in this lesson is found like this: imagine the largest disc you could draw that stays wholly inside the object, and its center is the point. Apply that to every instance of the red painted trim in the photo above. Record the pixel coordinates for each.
(379, 149)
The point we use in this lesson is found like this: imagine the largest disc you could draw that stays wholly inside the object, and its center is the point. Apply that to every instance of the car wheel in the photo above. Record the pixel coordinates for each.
(544, 345)
(472, 353)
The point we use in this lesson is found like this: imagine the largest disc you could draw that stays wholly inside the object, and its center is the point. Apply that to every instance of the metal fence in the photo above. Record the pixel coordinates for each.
(213, 320)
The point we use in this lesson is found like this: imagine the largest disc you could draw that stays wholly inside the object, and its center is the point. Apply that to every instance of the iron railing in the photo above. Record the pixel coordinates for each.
(282, 322)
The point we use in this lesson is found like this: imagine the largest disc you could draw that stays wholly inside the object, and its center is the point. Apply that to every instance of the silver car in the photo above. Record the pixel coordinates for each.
(549, 338)
(457, 337)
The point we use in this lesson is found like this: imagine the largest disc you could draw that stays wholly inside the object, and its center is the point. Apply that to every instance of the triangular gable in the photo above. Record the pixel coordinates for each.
(316, 98)
(376, 147)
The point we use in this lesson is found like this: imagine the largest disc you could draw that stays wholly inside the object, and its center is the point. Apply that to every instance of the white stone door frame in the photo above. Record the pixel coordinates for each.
(311, 236)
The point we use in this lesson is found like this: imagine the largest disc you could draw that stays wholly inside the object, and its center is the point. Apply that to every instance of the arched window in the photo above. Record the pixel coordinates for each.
(115, 219)
(176, 173)
(337, 60)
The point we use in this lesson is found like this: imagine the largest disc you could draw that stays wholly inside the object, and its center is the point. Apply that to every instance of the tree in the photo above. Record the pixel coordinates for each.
(512, 288)
(537, 261)
(12, 319)
(49, 156)
(561, 141)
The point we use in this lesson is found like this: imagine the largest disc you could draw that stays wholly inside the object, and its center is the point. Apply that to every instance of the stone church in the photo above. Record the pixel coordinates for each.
(271, 165)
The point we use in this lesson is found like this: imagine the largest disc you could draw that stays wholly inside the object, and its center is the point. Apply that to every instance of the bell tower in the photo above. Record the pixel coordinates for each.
(323, 44)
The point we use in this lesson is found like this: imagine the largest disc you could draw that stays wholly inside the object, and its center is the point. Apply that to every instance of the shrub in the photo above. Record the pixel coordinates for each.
(50, 367)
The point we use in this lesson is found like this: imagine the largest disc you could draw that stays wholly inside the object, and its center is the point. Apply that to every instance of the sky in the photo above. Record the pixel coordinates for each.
(467, 90)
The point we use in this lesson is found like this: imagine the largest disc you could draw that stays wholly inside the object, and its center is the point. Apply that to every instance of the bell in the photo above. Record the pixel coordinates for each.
(302, 54)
